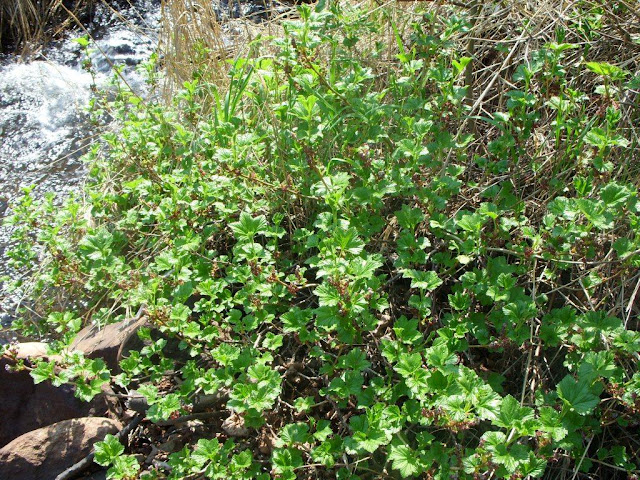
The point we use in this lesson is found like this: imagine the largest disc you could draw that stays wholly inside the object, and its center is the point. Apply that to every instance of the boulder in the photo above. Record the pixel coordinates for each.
(108, 342)
(25, 406)
(30, 350)
(46, 452)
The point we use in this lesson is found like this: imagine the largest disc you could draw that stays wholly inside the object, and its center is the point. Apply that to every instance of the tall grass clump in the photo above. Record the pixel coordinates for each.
(26, 24)
(198, 39)
(396, 241)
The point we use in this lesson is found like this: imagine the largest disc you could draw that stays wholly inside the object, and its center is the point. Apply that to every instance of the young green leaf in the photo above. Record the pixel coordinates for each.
(578, 395)
(107, 450)
(405, 460)
(247, 227)
(423, 280)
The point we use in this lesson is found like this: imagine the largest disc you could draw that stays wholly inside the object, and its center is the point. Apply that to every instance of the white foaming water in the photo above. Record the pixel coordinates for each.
(40, 121)
(43, 118)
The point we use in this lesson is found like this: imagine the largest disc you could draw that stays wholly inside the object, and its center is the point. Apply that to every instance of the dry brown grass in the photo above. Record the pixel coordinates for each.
(26, 24)
(500, 44)
(497, 40)
(195, 43)
(503, 35)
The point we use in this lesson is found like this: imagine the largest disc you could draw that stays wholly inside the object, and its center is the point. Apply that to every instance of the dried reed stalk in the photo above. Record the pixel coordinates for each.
(25, 25)
(196, 43)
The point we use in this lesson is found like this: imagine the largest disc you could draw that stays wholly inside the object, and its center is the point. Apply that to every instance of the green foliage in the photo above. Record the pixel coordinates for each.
(377, 293)
(109, 452)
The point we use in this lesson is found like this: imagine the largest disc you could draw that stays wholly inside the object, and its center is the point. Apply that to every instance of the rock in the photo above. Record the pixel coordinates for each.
(28, 350)
(32, 351)
(25, 406)
(109, 342)
(233, 425)
(173, 444)
(44, 453)
(136, 402)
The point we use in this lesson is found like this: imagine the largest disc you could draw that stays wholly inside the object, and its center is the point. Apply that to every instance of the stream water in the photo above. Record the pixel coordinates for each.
(44, 125)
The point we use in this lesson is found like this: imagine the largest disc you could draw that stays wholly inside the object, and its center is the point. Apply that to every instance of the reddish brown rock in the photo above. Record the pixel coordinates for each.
(25, 406)
(44, 453)
(33, 350)
(109, 342)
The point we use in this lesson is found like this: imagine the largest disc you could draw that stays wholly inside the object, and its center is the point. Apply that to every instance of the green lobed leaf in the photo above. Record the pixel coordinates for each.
(405, 460)
(423, 280)
(578, 395)
(107, 450)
